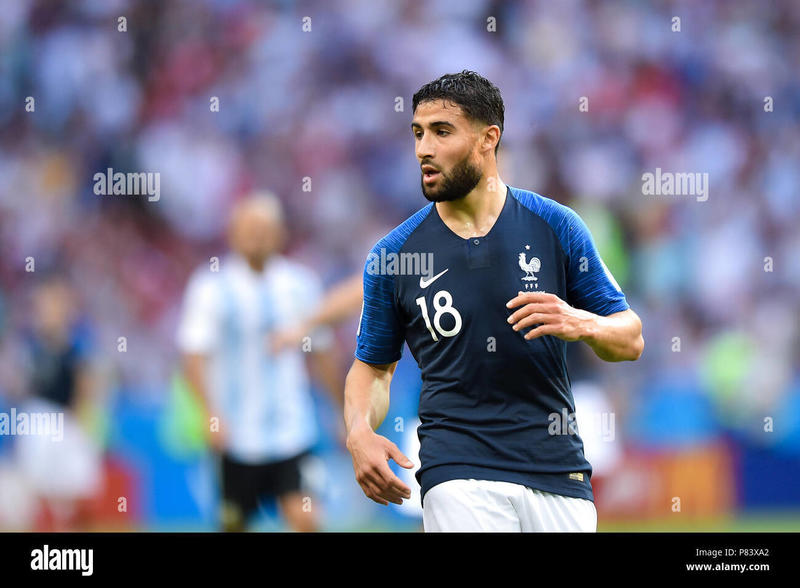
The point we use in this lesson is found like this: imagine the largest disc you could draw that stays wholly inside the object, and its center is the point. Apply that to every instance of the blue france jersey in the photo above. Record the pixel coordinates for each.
(493, 406)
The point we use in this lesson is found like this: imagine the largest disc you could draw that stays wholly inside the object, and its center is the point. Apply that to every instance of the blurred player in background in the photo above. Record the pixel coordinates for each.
(260, 395)
(62, 469)
(515, 276)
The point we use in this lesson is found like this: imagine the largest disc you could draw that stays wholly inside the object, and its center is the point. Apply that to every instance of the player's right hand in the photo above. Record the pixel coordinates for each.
(371, 453)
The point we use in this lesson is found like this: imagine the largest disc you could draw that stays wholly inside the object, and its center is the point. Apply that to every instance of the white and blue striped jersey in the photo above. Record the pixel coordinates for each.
(263, 399)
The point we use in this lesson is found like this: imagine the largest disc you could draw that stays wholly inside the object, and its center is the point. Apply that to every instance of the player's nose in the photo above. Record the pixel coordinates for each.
(424, 149)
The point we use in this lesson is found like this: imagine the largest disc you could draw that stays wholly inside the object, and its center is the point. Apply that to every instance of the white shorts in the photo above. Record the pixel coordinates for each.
(69, 468)
(487, 505)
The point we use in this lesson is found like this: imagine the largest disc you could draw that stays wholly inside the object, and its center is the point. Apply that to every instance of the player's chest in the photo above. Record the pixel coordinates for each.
(255, 306)
(469, 280)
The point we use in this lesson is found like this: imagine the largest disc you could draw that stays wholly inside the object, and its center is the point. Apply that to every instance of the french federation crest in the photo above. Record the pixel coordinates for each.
(530, 268)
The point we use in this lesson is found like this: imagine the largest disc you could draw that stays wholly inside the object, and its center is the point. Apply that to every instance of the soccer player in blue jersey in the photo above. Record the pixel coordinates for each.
(486, 284)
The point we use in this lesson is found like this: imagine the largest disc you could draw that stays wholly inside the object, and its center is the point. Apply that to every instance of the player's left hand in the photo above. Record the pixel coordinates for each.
(290, 337)
(553, 315)
(287, 338)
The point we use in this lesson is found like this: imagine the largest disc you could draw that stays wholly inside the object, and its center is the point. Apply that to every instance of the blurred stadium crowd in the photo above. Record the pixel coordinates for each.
(319, 108)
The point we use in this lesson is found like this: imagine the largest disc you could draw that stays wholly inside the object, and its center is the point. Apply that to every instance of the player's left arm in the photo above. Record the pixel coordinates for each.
(324, 368)
(319, 340)
(615, 337)
(337, 305)
(594, 308)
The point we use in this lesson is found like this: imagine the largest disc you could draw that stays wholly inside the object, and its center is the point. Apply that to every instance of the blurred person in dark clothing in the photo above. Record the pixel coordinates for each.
(55, 452)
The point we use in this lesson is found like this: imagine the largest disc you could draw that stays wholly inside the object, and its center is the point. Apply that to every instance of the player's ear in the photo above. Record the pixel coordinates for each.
(491, 136)
(488, 136)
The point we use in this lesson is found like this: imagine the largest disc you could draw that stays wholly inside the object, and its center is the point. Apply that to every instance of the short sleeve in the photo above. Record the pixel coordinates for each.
(198, 328)
(380, 334)
(590, 285)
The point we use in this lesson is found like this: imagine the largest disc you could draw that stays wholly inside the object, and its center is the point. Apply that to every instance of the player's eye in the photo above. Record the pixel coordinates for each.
(440, 132)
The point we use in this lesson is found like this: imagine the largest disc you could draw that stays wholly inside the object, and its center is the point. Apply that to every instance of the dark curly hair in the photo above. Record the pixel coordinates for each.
(479, 98)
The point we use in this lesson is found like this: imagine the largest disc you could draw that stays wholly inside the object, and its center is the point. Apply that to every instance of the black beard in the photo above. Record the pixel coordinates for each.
(457, 184)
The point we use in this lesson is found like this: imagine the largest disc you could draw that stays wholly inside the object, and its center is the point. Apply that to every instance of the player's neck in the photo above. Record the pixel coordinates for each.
(255, 264)
(475, 214)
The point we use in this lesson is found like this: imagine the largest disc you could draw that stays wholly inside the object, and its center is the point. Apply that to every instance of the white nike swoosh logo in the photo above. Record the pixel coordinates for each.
(423, 283)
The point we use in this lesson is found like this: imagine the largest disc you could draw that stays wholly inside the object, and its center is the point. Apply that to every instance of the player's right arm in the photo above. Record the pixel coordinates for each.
(197, 337)
(194, 371)
(379, 345)
(366, 404)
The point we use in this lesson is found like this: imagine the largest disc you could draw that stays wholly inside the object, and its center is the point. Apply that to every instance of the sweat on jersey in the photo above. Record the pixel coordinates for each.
(493, 406)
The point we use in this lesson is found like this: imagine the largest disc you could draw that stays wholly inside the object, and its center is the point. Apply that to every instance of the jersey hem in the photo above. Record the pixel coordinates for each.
(545, 482)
